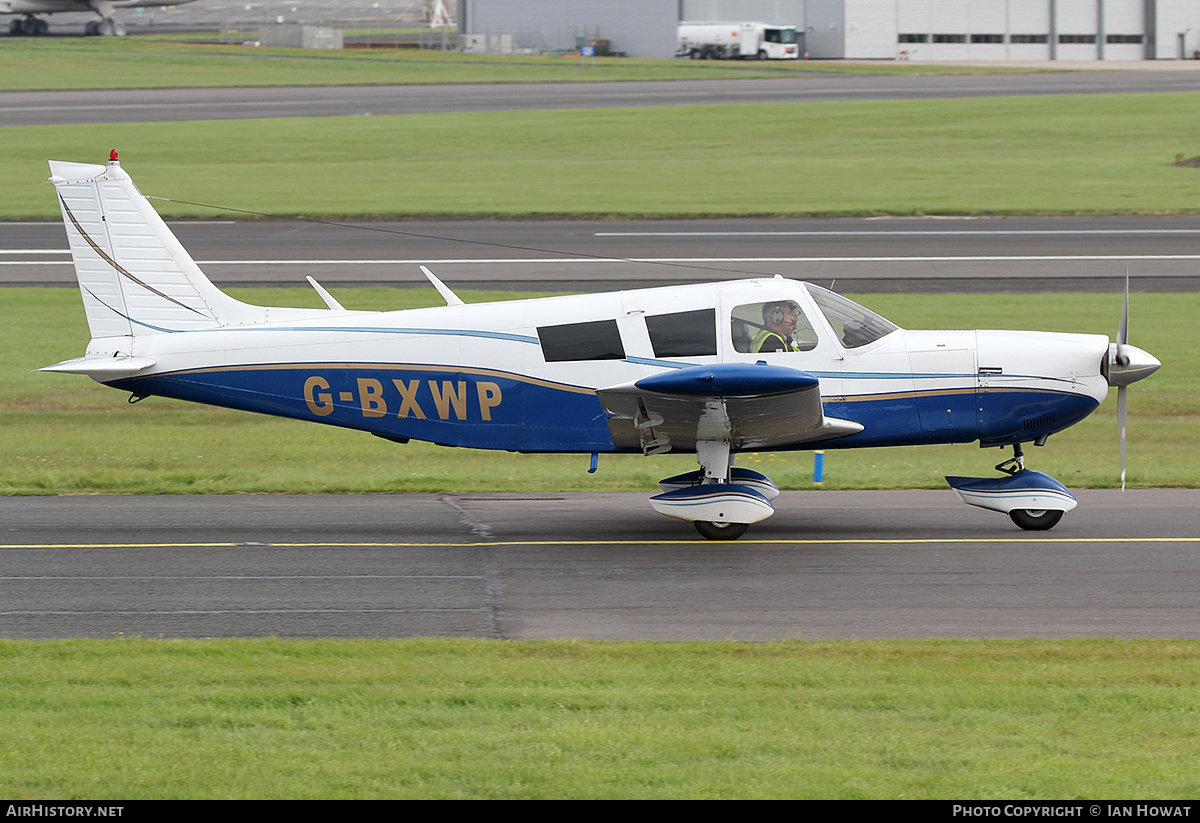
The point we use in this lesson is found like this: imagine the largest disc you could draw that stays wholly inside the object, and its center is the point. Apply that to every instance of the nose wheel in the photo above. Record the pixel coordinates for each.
(1032, 520)
(1035, 520)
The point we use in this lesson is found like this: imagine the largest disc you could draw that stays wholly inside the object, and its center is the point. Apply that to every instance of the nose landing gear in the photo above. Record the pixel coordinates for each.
(1032, 500)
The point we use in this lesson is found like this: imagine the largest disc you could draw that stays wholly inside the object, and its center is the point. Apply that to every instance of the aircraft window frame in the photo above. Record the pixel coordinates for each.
(853, 325)
(747, 321)
(587, 340)
(691, 333)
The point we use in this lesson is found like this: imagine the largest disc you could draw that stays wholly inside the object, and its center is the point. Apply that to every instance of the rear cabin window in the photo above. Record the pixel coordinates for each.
(683, 334)
(597, 340)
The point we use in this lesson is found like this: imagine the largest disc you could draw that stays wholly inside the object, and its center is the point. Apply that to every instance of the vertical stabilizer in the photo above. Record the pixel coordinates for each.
(134, 275)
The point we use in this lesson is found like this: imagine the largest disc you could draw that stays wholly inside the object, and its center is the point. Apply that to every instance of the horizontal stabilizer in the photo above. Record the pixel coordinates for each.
(101, 367)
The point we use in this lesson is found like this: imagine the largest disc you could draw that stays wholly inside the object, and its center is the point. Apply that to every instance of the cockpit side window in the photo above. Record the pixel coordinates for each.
(774, 325)
(854, 325)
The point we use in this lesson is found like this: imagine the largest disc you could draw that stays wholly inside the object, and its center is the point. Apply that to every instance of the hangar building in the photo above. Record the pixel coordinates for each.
(637, 28)
(857, 29)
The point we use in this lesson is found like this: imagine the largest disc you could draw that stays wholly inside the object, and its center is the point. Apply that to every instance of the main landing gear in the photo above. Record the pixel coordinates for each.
(720, 500)
(1032, 500)
(30, 26)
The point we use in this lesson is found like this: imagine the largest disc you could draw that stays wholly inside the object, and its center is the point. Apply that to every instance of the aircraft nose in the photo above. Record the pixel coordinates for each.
(1128, 364)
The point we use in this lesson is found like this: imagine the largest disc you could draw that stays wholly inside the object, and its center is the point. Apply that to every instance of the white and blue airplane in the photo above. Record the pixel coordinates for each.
(715, 369)
(33, 25)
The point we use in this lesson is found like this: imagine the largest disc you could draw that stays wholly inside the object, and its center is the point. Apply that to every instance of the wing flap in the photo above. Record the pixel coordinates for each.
(750, 406)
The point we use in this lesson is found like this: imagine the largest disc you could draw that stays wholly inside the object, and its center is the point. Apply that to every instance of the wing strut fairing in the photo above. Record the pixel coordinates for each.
(749, 406)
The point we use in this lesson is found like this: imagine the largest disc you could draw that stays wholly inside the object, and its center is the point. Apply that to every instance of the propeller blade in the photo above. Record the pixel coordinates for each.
(1123, 330)
(1121, 412)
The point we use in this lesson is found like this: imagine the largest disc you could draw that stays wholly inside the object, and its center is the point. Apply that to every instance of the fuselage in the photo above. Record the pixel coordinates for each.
(523, 375)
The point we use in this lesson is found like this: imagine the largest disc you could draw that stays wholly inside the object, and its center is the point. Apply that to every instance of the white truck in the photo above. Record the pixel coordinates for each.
(721, 41)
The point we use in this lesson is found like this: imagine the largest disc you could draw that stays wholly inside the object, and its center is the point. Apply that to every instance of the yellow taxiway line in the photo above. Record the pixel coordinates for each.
(690, 542)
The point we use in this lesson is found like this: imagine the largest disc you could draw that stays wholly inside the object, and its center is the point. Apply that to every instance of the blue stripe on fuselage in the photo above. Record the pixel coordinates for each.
(491, 409)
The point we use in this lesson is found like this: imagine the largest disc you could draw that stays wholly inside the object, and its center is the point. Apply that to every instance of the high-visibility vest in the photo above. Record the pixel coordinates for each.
(766, 334)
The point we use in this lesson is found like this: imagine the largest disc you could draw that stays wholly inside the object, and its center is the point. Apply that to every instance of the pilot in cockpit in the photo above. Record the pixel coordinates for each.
(780, 318)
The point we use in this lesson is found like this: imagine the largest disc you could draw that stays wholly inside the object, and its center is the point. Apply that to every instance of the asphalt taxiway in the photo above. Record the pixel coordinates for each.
(829, 564)
(46, 108)
(983, 254)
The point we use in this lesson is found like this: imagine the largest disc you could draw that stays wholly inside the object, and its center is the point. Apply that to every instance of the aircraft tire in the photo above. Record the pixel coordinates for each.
(720, 531)
(1035, 519)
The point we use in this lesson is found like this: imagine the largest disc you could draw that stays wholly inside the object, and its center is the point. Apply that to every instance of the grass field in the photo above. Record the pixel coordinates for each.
(169, 62)
(1028, 155)
(66, 434)
(1011, 720)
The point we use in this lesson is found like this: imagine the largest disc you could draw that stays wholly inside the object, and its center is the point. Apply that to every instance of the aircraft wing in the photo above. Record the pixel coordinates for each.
(750, 406)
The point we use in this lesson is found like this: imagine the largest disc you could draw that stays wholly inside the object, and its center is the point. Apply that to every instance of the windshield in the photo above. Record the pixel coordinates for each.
(779, 35)
(854, 325)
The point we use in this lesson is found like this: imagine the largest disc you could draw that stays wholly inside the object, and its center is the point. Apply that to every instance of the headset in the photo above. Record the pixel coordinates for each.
(776, 313)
